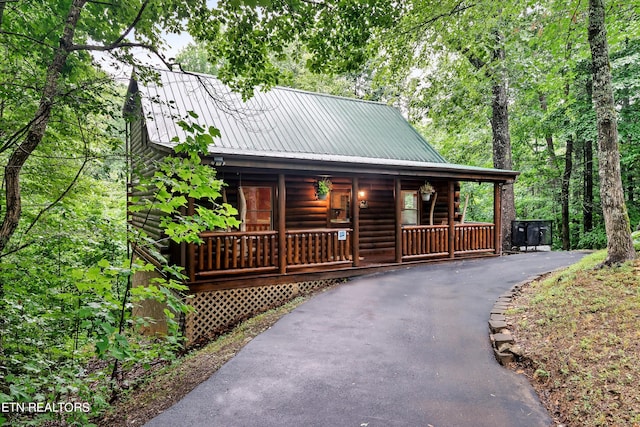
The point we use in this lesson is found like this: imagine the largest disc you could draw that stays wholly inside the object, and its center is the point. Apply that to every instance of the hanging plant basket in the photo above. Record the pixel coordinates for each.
(426, 190)
(323, 187)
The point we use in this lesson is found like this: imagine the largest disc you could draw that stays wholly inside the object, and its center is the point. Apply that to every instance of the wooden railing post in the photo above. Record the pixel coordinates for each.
(355, 239)
(191, 248)
(397, 194)
(497, 217)
(451, 219)
(282, 223)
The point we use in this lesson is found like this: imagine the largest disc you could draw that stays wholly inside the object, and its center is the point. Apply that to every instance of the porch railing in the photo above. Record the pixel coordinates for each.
(318, 246)
(474, 237)
(423, 241)
(236, 252)
(257, 252)
(224, 253)
(419, 241)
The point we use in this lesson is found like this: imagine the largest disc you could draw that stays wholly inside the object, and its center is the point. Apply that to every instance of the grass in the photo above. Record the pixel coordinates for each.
(580, 333)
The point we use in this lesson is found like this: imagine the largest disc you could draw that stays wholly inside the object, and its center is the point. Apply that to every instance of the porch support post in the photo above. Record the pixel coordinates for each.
(497, 217)
(398, 205)
(355, 206)
(191, 247)
(282, 223)
(451, 219)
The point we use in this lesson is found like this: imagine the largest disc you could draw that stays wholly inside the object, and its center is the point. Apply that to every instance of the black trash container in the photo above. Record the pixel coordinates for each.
(531, 232)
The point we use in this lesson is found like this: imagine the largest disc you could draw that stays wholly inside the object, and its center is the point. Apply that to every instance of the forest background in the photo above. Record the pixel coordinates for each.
(67, 329)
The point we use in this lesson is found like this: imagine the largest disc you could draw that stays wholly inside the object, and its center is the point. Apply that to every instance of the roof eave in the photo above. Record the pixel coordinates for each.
(354, 165)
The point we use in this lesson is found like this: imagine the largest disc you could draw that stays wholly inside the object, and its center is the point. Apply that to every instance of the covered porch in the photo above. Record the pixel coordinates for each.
(303, 239)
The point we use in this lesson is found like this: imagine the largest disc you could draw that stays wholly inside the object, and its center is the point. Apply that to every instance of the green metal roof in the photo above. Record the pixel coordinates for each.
(283, 122)
(292, 129)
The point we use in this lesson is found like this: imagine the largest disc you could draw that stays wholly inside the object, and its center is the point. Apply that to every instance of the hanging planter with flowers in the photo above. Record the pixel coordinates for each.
(426, 190)
(323, 187)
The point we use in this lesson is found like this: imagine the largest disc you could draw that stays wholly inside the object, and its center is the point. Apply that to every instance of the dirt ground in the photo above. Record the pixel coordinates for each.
(580, 350)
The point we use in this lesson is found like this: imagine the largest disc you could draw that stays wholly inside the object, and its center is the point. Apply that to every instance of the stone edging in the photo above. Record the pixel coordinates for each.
(504, 347)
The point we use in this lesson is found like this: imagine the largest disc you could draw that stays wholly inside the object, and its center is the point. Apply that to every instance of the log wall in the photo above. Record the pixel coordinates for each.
(377, 222)
(143, 157)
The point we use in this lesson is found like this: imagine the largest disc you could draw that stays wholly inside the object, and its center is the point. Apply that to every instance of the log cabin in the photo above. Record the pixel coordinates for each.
(276, 150)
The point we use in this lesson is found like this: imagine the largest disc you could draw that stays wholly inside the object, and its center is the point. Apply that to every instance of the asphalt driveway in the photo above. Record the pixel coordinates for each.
(404, 348)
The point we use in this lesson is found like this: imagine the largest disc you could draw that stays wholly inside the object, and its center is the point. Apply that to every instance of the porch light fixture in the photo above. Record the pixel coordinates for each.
(362, 201)
(218, 161)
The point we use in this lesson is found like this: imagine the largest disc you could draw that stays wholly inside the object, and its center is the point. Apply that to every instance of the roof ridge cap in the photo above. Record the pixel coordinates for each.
(287, 88)
(329, 95)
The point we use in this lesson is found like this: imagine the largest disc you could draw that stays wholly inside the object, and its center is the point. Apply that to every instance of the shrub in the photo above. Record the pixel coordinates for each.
(636, 240)
(594, 239)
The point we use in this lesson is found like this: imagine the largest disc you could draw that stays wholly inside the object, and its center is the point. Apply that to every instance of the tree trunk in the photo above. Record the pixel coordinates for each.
(502, 146)
(548, 137)
(13, 202)
(587, 202)
(13, 168)
(564, 196)
(500, 129)
(616, 219)
(628, 173)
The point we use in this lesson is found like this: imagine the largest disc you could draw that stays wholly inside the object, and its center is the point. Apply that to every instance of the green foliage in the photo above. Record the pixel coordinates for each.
(478, 210)
(323, 187)
(437, 61)
(57, 302)
(64, 344)
(249, 40)
(181, 177)
(52, 90)
(293, 72)
(194, 57)
(594, 239)
(636, 240)
(69, 333)
(67, 328)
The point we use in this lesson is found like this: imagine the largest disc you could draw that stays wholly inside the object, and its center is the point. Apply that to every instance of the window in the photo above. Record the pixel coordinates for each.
(259, 215)
(409, 213)
(340, 206)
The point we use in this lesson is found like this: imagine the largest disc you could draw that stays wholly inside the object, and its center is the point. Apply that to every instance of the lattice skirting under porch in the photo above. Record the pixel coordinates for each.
(217, 311)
